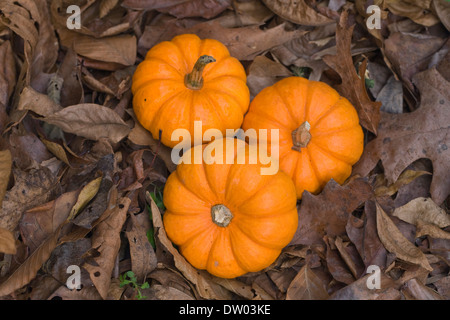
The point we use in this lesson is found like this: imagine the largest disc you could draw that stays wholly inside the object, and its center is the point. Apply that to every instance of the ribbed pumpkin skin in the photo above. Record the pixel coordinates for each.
(337, 139)
(163, 102)
(264, 212)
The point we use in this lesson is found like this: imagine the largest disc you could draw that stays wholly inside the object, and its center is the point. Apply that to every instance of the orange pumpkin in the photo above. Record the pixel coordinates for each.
(320, 136)
(228, 218)
(185, 80)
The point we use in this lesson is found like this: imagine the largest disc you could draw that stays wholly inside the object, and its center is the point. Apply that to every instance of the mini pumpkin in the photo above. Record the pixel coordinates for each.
(185, 80)
(228, 218)
(319, 131)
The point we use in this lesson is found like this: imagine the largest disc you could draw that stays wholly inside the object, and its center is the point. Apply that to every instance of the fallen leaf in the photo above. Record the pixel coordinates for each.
(359, 290)
(297, 11)
(91, 121)
(443, 287)
(328, 212)
(418, 11)
(244, 43)
(143, 258)
(7, 242)
(353, 84)
(424, 209)
(5, 172)
(7, 72)
(264, 72)
(306, 286)
(419, 291)
(106, 242)
(363, 234)
(396, 243)
(30, 189)
(442, 10)
(428, 229)
(424, 133)
(28, 270)
(86, 194)
(37, 102)
(382, 188)
(197, 8)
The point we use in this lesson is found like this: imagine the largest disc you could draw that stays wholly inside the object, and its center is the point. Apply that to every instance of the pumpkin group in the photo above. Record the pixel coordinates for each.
(319, 131)
(185, 80)
(228, 218)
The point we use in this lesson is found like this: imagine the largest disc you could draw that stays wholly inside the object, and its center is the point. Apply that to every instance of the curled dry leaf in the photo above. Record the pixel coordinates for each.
(395, 242)
(382, 188)
(297, 11)
(306, 286)
(353, 84)
(424, 133)
(7, 72)
(5, 172)
(7, 242)
(91, 121)
(424, 209)
(428, 229)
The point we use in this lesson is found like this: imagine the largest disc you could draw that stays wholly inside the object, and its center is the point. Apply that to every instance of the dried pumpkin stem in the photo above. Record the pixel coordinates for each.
(301, 136)
(194, 80)
(221, 215)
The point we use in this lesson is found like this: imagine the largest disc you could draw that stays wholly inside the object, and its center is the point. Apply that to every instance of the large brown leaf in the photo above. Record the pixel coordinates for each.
(353, 84)
(424, 133)
(327, 213)
(91, 121)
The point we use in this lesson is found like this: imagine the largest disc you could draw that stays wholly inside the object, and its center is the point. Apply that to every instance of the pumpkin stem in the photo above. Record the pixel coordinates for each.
(194, 80)
(301, 136)
(221, 215)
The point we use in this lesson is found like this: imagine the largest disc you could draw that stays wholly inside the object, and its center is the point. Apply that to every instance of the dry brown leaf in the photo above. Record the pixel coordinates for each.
(428, 229)
(197, 8)
(57, 149)
(244, 43)
(28, 270)
(359, 290)
(91, 121)
(143, 258)
(353, 84)
(7, 242)
(151, 4)
(442, 10)
(120, 49)
(424, 133)
(363, 234)
(424, 209)
(395, 242)
(141, 136)
(264, 72)
(418, 11)
(382, 188)
(37, 102)
(40, 222)
(306, 286)
(328, 212)
(205, 288)
(31, 188)
(297, 11)
(5, 172)
(106, 6)
(106, 241)
(419, 291)
(7, 72)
